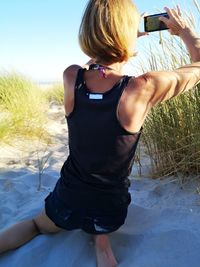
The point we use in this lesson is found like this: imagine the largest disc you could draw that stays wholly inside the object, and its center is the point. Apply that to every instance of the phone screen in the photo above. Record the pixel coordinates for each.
(152, 23)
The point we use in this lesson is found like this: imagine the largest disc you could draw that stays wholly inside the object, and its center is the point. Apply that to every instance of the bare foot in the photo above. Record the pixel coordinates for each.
(104, 253)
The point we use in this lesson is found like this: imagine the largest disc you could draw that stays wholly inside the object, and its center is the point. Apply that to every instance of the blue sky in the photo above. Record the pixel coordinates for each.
(39, 38)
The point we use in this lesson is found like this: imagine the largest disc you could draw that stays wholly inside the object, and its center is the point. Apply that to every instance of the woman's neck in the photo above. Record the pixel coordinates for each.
(114, 66)
(117, 67)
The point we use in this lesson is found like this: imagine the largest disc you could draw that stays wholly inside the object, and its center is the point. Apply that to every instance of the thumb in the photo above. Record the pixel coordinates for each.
(163, 19)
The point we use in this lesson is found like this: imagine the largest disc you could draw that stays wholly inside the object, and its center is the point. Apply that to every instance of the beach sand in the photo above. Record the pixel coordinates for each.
(161, 230)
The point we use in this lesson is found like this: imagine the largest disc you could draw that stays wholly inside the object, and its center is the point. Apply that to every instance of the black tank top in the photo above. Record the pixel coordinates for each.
(101, 150)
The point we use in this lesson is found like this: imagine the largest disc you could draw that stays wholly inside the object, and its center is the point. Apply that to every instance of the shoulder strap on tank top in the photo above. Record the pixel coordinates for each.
(79, 79)
(124, 84)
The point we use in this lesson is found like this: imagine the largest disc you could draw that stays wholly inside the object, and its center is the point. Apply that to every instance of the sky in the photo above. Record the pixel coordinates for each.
(39, 38)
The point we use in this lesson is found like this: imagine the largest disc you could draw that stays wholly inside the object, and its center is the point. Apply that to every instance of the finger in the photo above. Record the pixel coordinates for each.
(163, 19)
(174, 12)
(169, 12)
(140, 34)
(179, 10)
(143, 33)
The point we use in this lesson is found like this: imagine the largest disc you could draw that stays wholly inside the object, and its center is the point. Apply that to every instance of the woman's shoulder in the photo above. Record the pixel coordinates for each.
(71, 71)
(137, 84)
(138, 91)
(69, 76)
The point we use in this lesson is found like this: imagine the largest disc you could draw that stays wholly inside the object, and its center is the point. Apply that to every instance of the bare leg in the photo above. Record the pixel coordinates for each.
(104, 253)
(22, 232)
(17, 235)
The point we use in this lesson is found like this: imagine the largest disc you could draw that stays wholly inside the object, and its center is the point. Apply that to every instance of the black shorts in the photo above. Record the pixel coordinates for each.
(92, 221)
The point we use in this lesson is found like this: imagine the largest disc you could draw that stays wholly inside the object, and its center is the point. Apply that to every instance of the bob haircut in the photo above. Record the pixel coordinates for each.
(108, 29)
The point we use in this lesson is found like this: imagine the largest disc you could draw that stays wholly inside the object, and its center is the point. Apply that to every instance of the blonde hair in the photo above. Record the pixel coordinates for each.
(107, 29)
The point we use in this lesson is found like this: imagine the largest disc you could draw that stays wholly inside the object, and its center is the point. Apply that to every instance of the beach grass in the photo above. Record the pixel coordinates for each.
(172, 132)
(172, 136)
(22, 108)
(55, 93)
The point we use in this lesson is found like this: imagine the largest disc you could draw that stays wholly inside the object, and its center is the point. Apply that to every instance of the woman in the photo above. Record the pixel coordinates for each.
(105, 111)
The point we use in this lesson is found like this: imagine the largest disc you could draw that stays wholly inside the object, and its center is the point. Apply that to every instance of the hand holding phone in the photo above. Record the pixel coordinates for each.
(152, 22)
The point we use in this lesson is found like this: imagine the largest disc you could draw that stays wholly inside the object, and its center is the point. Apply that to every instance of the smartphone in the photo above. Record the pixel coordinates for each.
(152, 23)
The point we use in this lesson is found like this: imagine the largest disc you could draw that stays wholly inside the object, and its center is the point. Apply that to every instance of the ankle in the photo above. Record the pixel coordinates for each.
(102, 242)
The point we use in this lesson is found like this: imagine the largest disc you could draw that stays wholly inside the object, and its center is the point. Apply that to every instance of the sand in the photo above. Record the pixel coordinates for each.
(161, 230)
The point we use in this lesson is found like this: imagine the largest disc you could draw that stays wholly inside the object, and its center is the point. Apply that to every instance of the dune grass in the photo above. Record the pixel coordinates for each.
(22, 108)
(172, 136)
(172, 132)
(55, 93)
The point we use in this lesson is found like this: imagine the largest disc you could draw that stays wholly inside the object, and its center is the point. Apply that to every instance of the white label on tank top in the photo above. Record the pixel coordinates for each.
(96, 96)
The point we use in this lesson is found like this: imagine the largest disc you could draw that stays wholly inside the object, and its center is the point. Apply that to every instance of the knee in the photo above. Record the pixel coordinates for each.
(36, 226)
(44, 225)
